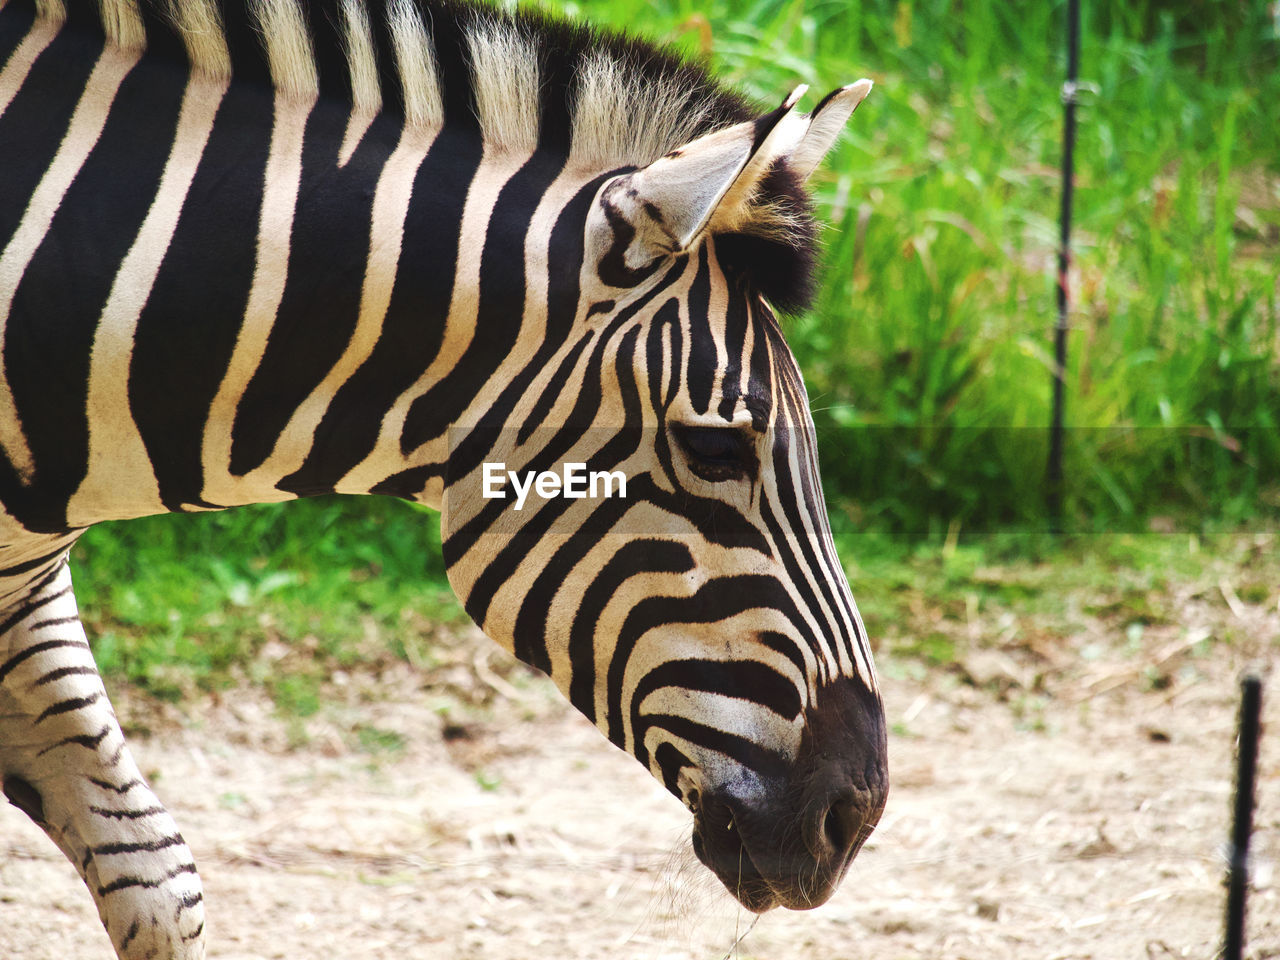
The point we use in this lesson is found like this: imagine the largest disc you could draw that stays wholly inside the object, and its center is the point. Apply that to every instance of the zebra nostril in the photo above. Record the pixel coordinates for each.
(841, 826)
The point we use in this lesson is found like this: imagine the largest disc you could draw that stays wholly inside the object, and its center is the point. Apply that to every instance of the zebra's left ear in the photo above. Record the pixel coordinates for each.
(662, 209)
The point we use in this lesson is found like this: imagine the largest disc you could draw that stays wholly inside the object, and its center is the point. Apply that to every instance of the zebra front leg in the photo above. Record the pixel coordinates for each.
(65, 764)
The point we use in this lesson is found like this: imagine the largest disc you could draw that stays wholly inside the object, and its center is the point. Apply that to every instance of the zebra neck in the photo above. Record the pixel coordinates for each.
(398, 291)
(271, 299)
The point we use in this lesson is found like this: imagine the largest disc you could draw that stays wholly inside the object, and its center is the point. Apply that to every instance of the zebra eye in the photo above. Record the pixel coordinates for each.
(716, 453)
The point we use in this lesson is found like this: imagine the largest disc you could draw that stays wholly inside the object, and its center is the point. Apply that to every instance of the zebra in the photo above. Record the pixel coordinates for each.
(265, 249)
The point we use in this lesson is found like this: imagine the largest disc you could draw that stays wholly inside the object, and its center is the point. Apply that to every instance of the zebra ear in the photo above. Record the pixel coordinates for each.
(663, 208)
(669, 202)
(825, 124)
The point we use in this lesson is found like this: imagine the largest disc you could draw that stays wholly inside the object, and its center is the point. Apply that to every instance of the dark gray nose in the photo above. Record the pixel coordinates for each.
(786, 837)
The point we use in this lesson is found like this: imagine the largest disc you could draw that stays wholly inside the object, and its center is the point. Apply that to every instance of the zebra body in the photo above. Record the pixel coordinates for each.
(279, 250)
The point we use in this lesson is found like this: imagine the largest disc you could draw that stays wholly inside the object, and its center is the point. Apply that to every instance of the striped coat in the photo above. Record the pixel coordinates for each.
(268, 249)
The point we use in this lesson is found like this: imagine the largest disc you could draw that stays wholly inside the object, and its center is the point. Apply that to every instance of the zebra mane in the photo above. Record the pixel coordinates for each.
(529, 80)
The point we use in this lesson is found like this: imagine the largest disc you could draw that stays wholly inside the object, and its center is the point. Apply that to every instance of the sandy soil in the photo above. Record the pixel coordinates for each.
(1043, 806)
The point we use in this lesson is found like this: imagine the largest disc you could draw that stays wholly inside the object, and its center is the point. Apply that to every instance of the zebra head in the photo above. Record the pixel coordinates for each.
(694, 609)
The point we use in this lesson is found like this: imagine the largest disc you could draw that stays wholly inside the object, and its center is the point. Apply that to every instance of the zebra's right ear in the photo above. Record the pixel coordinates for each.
(649, 214)
(824, 126)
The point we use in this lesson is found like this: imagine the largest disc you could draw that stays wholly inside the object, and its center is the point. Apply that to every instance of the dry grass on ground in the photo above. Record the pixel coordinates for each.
(1052, 798)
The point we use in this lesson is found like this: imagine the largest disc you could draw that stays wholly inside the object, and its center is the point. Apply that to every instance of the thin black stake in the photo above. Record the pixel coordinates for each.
(1054, 472)
(1242, 826)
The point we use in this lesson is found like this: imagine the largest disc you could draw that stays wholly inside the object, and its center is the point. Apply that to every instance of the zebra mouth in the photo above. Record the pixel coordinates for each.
(719, 845)
(770, 850)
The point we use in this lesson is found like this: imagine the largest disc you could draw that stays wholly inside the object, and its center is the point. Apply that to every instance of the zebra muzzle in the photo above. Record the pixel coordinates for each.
(787, 838)
(789, 852)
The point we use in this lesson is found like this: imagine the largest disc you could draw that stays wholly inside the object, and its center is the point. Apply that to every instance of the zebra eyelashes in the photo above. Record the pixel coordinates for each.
(717, 454)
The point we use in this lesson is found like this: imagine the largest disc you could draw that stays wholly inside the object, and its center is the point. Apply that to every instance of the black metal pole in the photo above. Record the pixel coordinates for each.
(1054, 472)
(1242, 825)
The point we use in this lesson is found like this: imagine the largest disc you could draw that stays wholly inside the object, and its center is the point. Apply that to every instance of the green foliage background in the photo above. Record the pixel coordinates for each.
(927, 354)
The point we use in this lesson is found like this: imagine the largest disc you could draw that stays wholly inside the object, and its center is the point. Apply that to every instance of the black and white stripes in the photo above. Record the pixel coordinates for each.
(265, 249)
(66, 766)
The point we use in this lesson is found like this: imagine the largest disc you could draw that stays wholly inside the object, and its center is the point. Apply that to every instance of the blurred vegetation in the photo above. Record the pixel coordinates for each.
(280, 595)
(927, 354)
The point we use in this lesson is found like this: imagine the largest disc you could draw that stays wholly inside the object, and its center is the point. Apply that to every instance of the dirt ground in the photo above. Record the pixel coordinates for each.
(1042, 806)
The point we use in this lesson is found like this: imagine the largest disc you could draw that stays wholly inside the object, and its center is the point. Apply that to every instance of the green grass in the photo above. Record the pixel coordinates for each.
(277, 595)
(1026, 619)
(927, 354)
